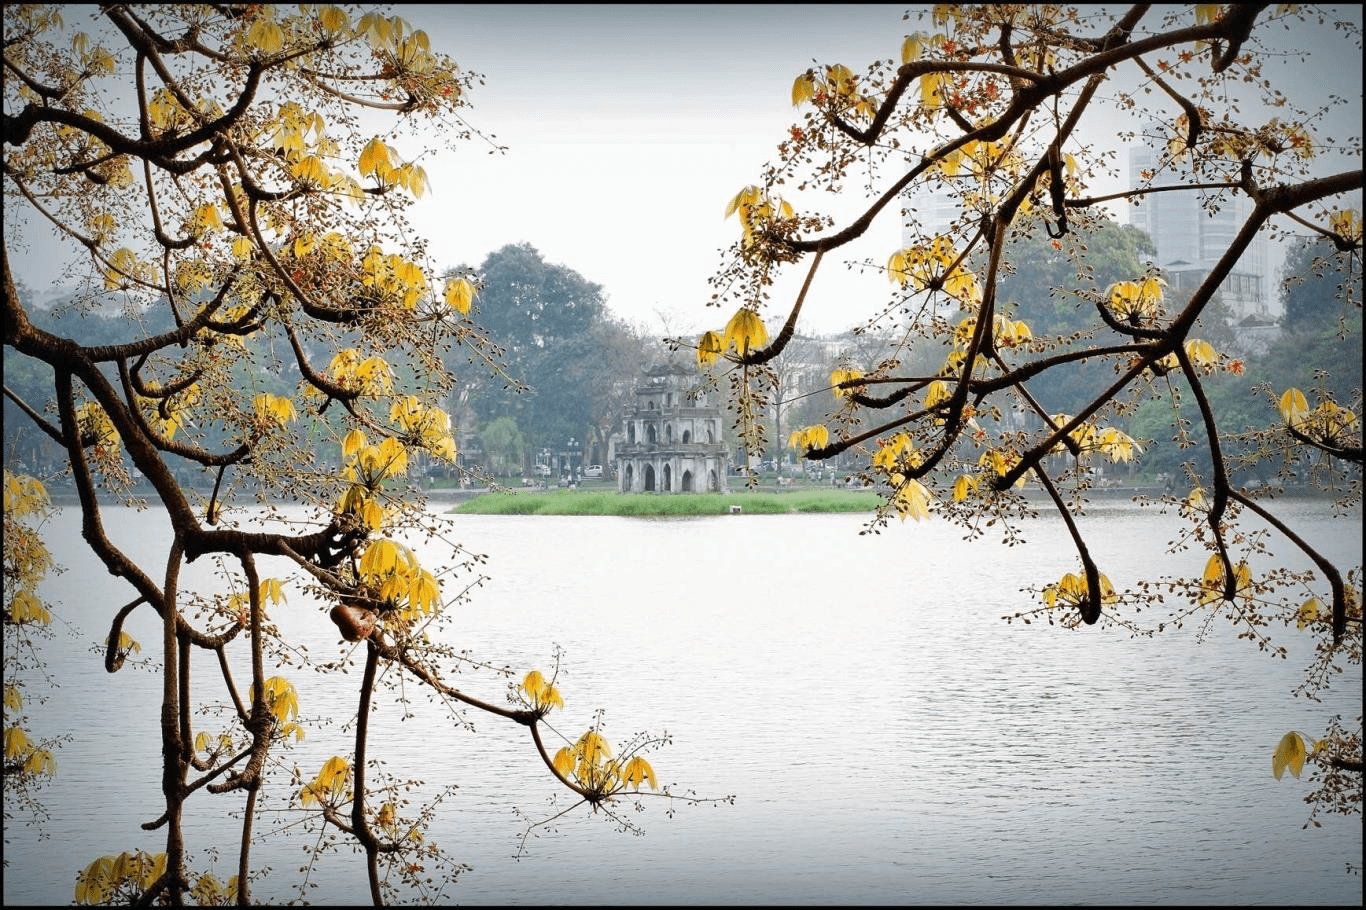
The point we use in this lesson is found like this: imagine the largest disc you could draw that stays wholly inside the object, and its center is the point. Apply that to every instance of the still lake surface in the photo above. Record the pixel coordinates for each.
(889, 739)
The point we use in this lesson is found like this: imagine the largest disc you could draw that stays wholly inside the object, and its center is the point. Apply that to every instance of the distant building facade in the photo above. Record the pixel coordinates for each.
(1190, 238)
(672, 440)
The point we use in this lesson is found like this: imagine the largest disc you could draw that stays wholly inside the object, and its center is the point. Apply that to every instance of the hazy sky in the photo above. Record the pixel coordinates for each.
(629, 128)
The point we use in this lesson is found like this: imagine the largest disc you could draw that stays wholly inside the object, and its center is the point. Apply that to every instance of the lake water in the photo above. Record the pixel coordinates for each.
(887, 737)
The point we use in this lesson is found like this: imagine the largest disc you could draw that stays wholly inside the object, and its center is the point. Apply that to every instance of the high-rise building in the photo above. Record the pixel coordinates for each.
(1192, 229)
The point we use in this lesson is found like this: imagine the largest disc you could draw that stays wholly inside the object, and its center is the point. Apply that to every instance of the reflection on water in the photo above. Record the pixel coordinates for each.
(888, 738)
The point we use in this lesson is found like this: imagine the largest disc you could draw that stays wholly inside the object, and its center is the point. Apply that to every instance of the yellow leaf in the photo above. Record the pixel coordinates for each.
(352, 443)
(746, 331)
(1290, 753)
(1212, 583)
(40, 762)
(1309, 612)
(593, 747)
(374, 157)
(459, 295)
(912, 500)
(803, 88)
(380, 558)
(333, 19)
(16, 743)
(638, 771)
(1294, 406)
(372, 513)
(931, 90)
(748, 196)
(266, 36)
(838, 377)
(564, 762)
(273, 590)
(912, 47)
(963, 487)
(709, 347)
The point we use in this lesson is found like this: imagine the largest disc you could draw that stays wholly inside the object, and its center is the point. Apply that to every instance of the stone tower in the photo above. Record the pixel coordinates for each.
(672, 439)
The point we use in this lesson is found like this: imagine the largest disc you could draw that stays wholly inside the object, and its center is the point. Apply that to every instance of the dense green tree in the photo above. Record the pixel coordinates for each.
(541, 316)
(1320, 287)
(503, 444)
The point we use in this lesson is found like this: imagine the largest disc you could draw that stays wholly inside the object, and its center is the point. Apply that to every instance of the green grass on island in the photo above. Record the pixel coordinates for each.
(676, 505)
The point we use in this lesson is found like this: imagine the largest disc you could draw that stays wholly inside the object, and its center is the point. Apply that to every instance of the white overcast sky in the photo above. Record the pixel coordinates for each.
(629, 127)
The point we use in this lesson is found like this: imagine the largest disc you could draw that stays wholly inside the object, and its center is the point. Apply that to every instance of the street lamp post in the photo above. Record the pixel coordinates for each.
(571, 454)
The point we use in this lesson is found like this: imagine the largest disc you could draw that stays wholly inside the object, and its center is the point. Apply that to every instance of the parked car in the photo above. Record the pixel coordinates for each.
(593, 470)
(542, 470)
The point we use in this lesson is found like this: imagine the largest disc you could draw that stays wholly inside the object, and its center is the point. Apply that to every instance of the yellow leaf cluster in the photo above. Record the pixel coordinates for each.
(127, 644)
(128, 874)
(1114, 444)
(280, 697)
(428, 425)
(1134, 300)
(808, 438)
(637, 772)
(745, 332)
(94, 424)
(835, 86)
(26, 557)
(331, 786)
(1071, 591)
(542, 694)
(393, 569)
(934, 87)
(273, 590)
(394, 277)
(1309, 613)
(982, 161)
(890, 453)
(1294, 407)
(1327, 421)
(997, 461)
(208, 891)
(371, 377)
(210, 745)
(1213, 580)
(756, 209)
(1346, 223)
(913, 46)
(20, 751)
(589, 762)
(1202, 355)
(936, 393)
(165, 113)
(379, 160)
(25, 607)
(840, 376)
(372, 465)
(266, 35)
(910, 498)
(24, 496)
(124, 269)
(932, 265)
(965, 486)
(274, 409)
